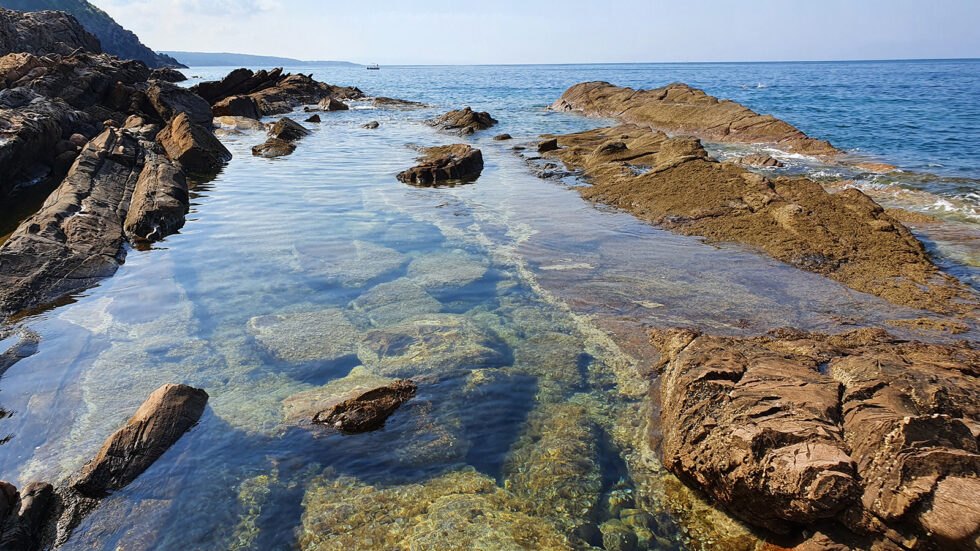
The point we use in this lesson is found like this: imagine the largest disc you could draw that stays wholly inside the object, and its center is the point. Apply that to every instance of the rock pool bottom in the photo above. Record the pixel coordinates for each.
(518, 309)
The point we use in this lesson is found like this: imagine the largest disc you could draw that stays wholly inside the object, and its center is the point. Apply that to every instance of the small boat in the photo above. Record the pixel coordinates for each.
(374, 67)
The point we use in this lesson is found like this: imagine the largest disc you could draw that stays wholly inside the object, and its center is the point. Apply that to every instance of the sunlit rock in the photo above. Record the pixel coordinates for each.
(325, 335)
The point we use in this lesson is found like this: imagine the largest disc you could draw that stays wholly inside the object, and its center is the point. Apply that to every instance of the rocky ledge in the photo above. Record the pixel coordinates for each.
(845, 236)
(679, 109)
(444, 164)
(868, 440)
(463, 121)
(44, 32)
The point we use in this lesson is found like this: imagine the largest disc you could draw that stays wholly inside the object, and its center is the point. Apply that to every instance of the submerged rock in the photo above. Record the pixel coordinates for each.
(679, 109)
(351, 264)
(327, 335)
(444, 164)
(463, 121)
(382, 102)
(369, 410)
(194, 146)
(758, 160)
(876, 434)
(371, 125)
(25, 347)
(393, 302)
(445, 269)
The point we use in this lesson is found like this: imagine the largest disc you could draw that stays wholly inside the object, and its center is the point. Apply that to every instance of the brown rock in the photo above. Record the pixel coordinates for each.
(237, 106)
(159, 201)
(464, 121)
(162, 419)
(288, 130)
(273, 92)
(548, 145)
(170, 100)
(314, 119)
(194, 146)
(168, 74)
(382, 102)
(501, 137)
(679, 109)
(758, 160)
(447, 163)
(368, 411)
(332, 104)
(23, 528)
(274, 147)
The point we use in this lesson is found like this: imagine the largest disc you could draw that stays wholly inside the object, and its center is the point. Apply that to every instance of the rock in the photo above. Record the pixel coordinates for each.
(352, 264)
(501, 137)
(164, 417)
(393, 302)
(617, 537)
(288, 130)
(679, 109)
(237, 124)
(300, 408)
(193, 146)
(78, 140)
(369, 410)
(168, 74)
(314, 118)
(326, 335)
(758, 160)
(443, 164)
(27, 517)
(382, 102)
(273, 92)
(548, 145)
(673, 183)
(159, 201)
(371, 125)
(273, 147)
(332, 104)
(446, 269)
(43, 33)
(237, 106)
(170, 100)
(895, 421)
(463, 121)
(25, 347)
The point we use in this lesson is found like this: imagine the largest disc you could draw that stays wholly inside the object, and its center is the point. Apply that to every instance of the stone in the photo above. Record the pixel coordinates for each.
(168, 74)
(194, 146)
(170, 100)
(382, 102)
(288, 130)
(313, 119)
(760, 160)
(27, 517)
(548, 145)
(332, 104)
(352, 264)
(463, 121)
(369, 410)
(236, 106)
(446, 269)
(371, 125)
(445, 164)
(617, 537)
(164, 417)
(502, 137)
(43, 33)
(679, 109)
(238, 124)
(325, 335)
(159, 201)
(392, 302)
(273, 92)
(274, 147)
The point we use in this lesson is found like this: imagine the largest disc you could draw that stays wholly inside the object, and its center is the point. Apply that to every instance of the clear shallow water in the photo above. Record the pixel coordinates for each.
(544, 295)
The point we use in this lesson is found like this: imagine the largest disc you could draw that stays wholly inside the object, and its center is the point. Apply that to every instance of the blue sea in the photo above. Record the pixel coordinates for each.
(521, 309)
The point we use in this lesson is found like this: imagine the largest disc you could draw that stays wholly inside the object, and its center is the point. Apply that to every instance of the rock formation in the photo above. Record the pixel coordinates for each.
(281, 138)
(332, 104)
(464, 121)
(367, 411)
(168, 74)
(42, 33)
(382, 102)
(758, 160)
(272, 91)
(786, 430)
(444, 164)
(193, 146)
(845, 236)
(679, 109)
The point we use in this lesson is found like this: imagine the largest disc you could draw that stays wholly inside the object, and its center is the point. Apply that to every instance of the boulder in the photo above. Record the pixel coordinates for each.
(760, 160)
(237, 106)
(194, 146)
(367, 411)
(23, 527)
(43, 33)
(170, 100)
(314, 119)
(164, 417)
(288, 130)
(159, 201)
(274, 147)
(463, 121)
(445, 164)
(332, 104)
(382, 102)
(168, 74)
(548, 145)
(502, 137)
(371, 125)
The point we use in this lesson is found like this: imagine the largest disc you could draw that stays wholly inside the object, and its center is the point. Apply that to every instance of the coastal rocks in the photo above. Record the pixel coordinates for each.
(393, 302)
(458, 510)
(194, 146)
(43, 33)
(844, 236)
(350, 264)
(273, 148)
(326, 335)
(168, 74)
(281, 138)
(272, 91)
(679, 109)
(382, 102)
(25, 347)
(876, 434)
(367, 411)
(332, 104)
(170, 100)
(759, 160)
(237, 106)
(464, 121)
(446, 269)
(547, 145)
(164, 417)
(445, 164)
(159, 201)
(502, 137)
(314, 119)
(371, 125)
(24, 515)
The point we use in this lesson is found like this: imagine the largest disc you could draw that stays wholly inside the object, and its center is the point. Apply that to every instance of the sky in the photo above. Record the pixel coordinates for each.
(573, 31)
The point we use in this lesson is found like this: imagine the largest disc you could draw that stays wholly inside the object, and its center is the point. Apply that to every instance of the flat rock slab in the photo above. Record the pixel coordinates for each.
(369, 410)
(444, 164)
(327, 335)
(446, 269)
(393, 302)
(352, 264)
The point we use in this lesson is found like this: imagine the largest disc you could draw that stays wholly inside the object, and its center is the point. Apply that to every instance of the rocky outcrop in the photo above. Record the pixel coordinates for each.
(272, 91)
(193, 146)
(367, 411)
(876, 435)
(159, 201)
(679, 109)
(314, 119)
(168, 74)
(170, 100)
(281, 138)
(501, 137)
(332, 104)
(273, 147)
(444, 164)
(24, 515)
(237, 106)
(845, 236)
(42, 33)
(382, 102)
(463, 121)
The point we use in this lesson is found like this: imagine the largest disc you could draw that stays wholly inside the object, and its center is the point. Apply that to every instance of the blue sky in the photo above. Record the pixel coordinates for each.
(573, 31)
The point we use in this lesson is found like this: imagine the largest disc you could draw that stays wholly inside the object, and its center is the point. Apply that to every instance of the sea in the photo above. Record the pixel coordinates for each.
(521, 310)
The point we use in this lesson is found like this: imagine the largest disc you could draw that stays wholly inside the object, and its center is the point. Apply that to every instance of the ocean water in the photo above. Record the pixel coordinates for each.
(525, 307)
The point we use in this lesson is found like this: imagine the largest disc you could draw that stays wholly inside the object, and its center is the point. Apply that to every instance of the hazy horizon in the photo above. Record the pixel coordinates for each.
(439, 32)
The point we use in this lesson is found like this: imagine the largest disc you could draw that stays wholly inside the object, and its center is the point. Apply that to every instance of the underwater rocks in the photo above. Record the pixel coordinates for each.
(369, 410)
(679, 109)
(272, 92)
(43, 33)
(446, 269)
(350, 264)
(792, 428)
(281, 138)
(444, 164)
(393, 302)
(463, 121)
(25, 347)
(326, 335)
(193, 145)
(845, 236)
(760, 160)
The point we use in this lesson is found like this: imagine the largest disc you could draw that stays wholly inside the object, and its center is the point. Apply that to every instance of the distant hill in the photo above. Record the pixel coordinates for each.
(115, 39)
(203, 59)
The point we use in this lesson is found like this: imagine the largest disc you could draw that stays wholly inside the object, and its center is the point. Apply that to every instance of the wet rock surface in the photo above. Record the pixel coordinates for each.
(193, 145)
(159, 202)
(876, 434)
(382, 102)
(445, 164)
(463, 121)
(24, 516)
(281, 137)
(367, 411)
(325, 335)
(845, 236)
(332, 104)
(679, 109)
(760, 160)
(273, 92)
(42, 33)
